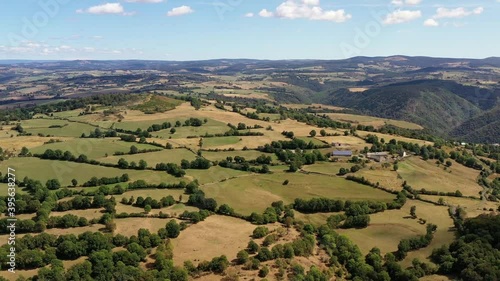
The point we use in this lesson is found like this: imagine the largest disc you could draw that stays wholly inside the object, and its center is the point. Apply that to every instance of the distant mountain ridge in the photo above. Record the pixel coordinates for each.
(251, 64)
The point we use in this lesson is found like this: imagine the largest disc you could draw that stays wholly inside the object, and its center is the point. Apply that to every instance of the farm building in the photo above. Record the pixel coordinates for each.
(378, 156)
(344, 153)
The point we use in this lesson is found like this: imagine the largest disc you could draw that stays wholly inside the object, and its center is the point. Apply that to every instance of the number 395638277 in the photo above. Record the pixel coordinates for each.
(11, 192)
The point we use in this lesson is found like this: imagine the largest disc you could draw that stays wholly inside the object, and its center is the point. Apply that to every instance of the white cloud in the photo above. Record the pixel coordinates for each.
(401, 16)
(456, 13)
(249, 15)
(179, 11)
(265, 13)
(406, 2)
(108, 8)
(144, 1)
(306, 9)
(431, 22)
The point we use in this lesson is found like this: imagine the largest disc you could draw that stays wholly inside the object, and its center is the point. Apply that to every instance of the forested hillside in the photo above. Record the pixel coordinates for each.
(436, 105)
(483, 128)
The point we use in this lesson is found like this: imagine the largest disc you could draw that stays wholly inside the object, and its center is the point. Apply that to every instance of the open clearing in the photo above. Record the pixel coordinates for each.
(437, 215)
(255, 193)
(372, 121)
(153, 158)
(247, 154)
(425, 174)
(215, 236)
(388, 228)
(327, 168)
(346, 142)
(387, 178)
(130, 226)
(93, 148)
(68, 129)
(473, 207)
(387, 138)
(214, 174)
(316, 219)
(64, 171)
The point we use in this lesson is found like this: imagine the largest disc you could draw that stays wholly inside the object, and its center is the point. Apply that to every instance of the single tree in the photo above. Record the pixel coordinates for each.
(413, 211)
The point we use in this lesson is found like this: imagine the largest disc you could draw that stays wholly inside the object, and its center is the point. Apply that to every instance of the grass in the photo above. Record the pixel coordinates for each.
(153, 193)
(373, 121)
(93, 148)
(425, 174)
(247, 154)
(473, 207)
(387, 138)
(385, 231)
(255, 193)
(220, 141)
(71, 129)
(346, 142)
(214, 174)
(88, 213)
(130, 226)
(154, 104)
(42, 123)
(328, 168)
(142, 124)
(272, 116)
(315, 141)
(316, 219)
(437, 215)
(44, 170)
(153, 158)
(385, 177)
(69, 113)
(215, 236)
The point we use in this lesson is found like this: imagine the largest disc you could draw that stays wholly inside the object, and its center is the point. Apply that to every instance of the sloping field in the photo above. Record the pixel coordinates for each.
(425, 174)
(387, 178)
(327, 168)
(130, 226)
(372, 121)
(214, 174)
(211, 127)
(215, 236)
(247, 154)
(153, 158)
(68, 129)
(255, 193)
(93, 148)
(44, 170)
(387, 138)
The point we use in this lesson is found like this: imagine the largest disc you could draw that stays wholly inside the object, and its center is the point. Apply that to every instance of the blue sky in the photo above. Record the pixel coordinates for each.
(270, 29)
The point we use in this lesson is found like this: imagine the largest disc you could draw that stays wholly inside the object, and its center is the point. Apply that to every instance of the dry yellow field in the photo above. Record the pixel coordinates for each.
(387, 178)
(16, 143)
(372, 121)
(346, 142)
(215, 236)
(473, 207)
(398, 138)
